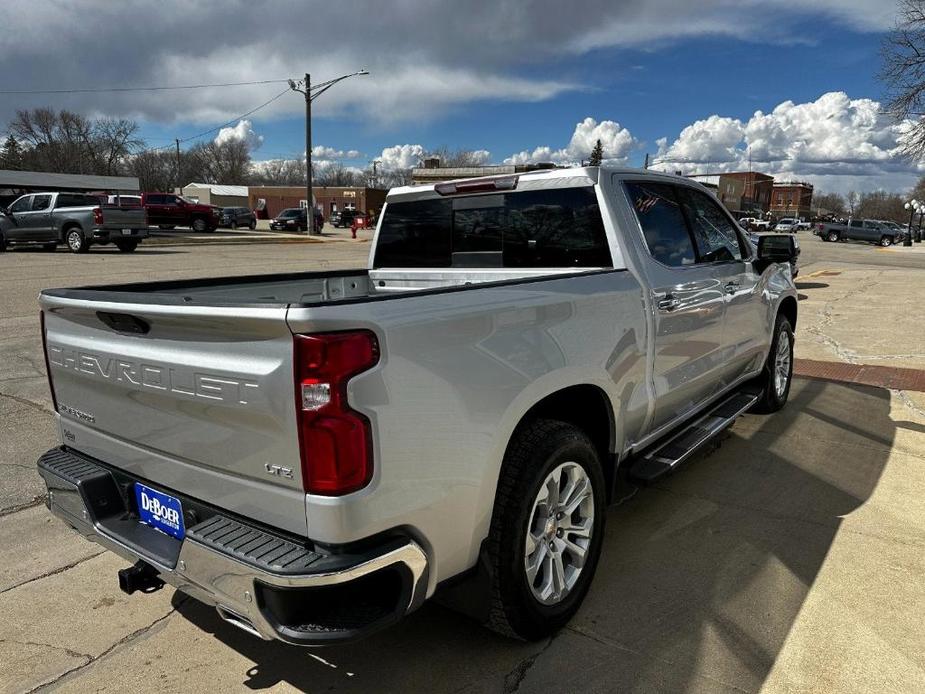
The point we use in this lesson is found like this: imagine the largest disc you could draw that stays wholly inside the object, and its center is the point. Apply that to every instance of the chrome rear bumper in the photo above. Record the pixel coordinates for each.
(267, 584)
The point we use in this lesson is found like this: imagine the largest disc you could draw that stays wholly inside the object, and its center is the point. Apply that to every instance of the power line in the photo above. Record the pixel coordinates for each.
(97, 90)
(233, 121)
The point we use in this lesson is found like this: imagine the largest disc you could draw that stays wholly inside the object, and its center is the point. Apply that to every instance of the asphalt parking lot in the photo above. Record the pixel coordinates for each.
(788, 557)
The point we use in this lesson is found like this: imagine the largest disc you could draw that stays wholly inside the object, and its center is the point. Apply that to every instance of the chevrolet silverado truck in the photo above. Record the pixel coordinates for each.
(73, 219)
(316, 454)
(870, 230)
(167, 211)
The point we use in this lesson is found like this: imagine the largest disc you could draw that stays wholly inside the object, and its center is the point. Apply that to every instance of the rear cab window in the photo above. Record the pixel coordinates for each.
(552, 228)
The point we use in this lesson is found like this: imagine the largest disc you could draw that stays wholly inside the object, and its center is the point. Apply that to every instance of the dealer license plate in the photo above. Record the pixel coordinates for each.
(160, 510)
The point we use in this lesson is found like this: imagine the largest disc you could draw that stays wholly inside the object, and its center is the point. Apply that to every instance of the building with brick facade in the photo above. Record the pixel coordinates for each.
(792, 199)
(269, 201)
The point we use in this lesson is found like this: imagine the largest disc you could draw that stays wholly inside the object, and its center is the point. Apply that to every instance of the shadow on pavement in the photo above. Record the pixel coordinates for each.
(701, 579)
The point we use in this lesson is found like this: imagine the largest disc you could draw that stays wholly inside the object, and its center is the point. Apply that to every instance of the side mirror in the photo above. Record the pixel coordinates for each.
(775, 249)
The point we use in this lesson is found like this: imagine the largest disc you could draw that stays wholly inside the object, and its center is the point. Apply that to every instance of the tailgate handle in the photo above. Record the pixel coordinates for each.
(124, 322)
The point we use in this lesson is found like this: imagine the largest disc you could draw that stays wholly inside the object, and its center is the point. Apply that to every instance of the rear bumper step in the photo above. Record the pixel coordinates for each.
(264, 583)
(666, 456)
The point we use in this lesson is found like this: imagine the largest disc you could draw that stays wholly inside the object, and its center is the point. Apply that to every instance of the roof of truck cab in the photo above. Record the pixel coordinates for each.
(590, 173)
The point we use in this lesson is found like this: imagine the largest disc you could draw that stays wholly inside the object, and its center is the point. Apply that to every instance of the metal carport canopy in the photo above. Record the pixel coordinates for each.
(40, 180)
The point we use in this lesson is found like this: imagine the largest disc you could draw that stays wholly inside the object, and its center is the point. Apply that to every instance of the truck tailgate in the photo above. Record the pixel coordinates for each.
(124, 218)
(198, 399)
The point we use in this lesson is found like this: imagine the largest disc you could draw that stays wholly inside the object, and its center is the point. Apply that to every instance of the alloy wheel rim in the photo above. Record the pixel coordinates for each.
(73, 241)
(782, 364)
(559, 532)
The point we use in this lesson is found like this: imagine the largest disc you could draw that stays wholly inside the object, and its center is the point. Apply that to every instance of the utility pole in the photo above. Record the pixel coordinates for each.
(179, 185)
(646, 165)
(307, 89)
(309, 204)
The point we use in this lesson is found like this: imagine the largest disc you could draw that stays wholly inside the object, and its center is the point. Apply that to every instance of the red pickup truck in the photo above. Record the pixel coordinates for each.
(167, 211)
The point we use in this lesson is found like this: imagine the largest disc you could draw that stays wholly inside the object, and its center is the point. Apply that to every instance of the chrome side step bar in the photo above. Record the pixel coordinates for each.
(665, 456)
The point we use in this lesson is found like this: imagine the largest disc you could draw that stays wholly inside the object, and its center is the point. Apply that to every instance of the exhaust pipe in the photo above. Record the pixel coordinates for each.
(142, 576)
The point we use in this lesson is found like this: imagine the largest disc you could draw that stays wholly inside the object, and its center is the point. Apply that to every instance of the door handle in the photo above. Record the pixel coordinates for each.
(668, 303)
(731, 287)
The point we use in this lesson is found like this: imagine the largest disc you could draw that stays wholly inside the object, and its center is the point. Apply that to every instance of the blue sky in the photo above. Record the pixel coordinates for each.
(513, 78)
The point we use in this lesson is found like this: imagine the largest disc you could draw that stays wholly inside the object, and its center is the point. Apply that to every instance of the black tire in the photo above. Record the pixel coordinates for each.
(886, 241)
(166, 227)
(2, 243)
(770, 398)
(537, 449)
(50, 247)
(126, 246)
(199, 225)
(234, 225)
(832, 236)
(76, 243)
(252, 225)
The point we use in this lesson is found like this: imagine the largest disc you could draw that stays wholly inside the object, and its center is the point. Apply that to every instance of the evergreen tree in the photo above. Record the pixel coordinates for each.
(597, 154)
(11, 154)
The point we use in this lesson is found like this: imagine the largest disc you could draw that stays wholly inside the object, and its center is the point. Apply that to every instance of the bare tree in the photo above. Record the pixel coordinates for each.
(852, 199)
(829, 203)
(903, 71)
(155, 170)
(67, 142)
(278, 172)
(338, 175)
(882, 205)
(211, 162)
(457, 157)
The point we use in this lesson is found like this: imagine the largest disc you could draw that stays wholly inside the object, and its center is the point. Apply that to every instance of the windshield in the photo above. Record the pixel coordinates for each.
(292, 212)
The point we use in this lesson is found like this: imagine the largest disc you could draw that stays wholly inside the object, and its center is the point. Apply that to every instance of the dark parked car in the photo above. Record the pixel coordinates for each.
(290, 219)
(335, 218)
(235, 217)
(346, 218)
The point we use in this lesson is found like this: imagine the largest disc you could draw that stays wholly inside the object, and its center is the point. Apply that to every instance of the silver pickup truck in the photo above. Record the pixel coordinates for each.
(74, 219)
(316, 454)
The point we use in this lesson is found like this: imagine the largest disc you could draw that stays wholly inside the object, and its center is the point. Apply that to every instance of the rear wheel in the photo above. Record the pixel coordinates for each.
(126, 246)
(777, 374)
(76, 241)
(546, 529)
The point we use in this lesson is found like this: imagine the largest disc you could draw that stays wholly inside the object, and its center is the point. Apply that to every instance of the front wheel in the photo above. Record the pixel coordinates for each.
(252, 225)
(777, 374)
(886, 241)
(546, 530)
(199, 225)
(2, 243)
(234, 225)
(76, 241)
(832, 236)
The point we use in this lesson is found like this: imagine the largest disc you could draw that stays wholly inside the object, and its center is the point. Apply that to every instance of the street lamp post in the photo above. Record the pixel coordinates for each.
(918, 231)
(911, 206)
(312, 92)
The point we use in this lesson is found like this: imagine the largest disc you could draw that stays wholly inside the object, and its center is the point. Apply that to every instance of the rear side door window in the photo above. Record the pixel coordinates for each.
(714, 233)
(662, 220)
(40, 202)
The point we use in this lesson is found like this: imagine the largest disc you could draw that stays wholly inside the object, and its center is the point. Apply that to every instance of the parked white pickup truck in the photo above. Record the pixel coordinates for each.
(316, 454)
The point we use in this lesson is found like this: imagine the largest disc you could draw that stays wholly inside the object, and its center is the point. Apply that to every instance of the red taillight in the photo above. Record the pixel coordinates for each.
(51, 384)
(335, 442)
(97, 215)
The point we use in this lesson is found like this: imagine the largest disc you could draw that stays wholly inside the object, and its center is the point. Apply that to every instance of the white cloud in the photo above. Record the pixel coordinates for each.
(401, 157)
(323, 152)
(242, 132)
(616, 140)
(829, 137)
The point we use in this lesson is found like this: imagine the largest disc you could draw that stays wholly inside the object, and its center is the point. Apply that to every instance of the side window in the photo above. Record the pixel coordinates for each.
(155, 199)
(170, 200)
(662, 222)
(22, 205)
(856, 224)
(714, 233)
(40, 202)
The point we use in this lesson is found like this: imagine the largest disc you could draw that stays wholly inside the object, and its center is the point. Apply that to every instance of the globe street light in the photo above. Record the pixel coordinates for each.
(911, 206)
